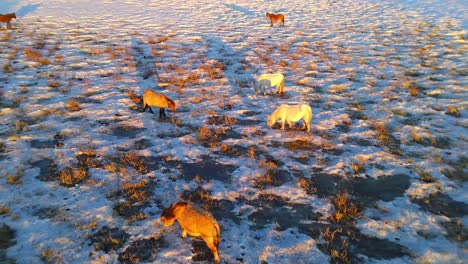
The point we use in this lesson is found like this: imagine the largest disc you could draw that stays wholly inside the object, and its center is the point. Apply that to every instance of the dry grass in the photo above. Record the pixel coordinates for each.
(21, 126)
(338, 88)
(453, 111)
(73, 105)
(251, 152)
(352, 76)
(92, 224)
(32, 54)
(53, 83)
(157, 39)
(345, 210)
(14, 179)
(50, 256)
(6, 37)
(71, 176)
(4, 210)
(132, 159)
(307, 186)
(7, 68)
(111, 167)
(17, 178)
(425, 176)
(205, 134)
(136, 192)
(381, 130)
(337, 251)
(359, 164)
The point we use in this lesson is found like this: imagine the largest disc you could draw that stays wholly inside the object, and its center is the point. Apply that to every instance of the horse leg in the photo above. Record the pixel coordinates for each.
(151, 110)
(8, 25)
(211, 245)
(281, 87)
(184, 233)
(164, 112)
(161, 113)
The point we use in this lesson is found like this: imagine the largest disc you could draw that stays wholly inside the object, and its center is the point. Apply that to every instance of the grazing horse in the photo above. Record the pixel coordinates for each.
(291, 113)
(151, 98)
(7, 18)
(194, 222)
(265, 81)
(275, 18)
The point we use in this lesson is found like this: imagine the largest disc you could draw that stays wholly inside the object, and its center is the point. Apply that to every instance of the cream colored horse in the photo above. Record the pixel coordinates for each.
(291, 113)
(265, 81)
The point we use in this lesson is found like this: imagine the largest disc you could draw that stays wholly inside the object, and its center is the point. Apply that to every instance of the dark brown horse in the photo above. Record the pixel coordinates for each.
(7, 18)
(275, 18)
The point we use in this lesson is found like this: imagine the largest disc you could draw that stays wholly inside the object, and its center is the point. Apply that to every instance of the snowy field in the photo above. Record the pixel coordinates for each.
(381, 178)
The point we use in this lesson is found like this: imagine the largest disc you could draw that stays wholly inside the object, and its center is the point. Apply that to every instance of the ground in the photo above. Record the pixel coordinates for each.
(381, 178)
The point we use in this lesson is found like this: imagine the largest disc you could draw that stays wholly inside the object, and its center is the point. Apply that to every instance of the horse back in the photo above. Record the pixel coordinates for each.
(7, 17)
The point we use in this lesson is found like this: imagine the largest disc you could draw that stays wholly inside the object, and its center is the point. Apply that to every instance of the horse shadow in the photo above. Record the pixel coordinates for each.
(145, 65)
(23, 11)
(239, 79)
(240, 9)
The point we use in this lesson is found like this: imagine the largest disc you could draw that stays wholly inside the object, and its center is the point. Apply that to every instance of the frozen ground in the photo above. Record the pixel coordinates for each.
(85, 174)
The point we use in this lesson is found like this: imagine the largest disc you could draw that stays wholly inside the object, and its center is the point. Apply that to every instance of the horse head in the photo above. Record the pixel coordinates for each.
(270, 120)
(168, 216)
(172, 106)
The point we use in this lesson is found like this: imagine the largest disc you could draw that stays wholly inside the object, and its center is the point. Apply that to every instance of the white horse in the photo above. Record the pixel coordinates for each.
(291, 113)
(265, 81)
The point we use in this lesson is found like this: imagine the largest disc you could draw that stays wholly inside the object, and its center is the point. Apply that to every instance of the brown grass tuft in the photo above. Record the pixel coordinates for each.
(71, 176)
(345, 210)
(73, 105)
(132, 159)
(32, 54)
(453, 111)
(425, 176)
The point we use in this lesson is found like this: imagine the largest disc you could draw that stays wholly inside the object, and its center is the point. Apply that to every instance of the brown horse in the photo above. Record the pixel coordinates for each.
(275, 18)
(194, 222)
(7, 18)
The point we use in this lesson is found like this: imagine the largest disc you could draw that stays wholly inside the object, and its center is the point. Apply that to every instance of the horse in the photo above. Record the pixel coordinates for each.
(265, 81)
(275, 18)
(7, 18)
(291, 113)
(194, 222)
(151, 98)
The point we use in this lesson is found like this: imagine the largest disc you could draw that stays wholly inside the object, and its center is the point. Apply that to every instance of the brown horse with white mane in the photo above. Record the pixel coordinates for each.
(7, 18)
(275, 18)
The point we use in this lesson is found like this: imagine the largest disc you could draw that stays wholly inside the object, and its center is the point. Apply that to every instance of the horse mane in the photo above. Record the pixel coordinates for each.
(170, 211)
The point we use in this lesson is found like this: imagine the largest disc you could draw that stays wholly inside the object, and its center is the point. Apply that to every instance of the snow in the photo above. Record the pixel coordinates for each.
(386, 81)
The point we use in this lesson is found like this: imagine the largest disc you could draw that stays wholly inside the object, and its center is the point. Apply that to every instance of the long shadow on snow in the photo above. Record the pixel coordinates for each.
(241, 9)
(365, 191)
(24, 10)
(220, 51)
(145, 65)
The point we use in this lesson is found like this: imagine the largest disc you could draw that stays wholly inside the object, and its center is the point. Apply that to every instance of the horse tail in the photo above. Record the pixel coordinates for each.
(309, 118)
(218, 234)
(144, 104)
(282, 20)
